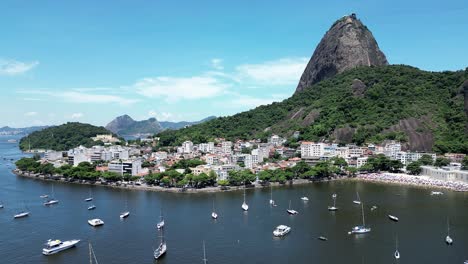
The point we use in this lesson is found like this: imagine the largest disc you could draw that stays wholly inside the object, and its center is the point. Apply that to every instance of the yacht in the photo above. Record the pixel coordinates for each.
(55, 246)
(161, 250)
(96, 222)
(361, 229)
(393, 218)
(333, 208)
(124, 214)
(21, 214)
(281, 230)
(244, 206)
(358, 200)
(92, 207)
(291, 211)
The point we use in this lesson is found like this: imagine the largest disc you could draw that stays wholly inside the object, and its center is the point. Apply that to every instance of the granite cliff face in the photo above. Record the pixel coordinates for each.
(347, 44)
(125, 125)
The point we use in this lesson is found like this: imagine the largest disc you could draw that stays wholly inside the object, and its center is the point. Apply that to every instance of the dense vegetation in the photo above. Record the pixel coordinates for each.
(392, 93)
(84, 170)
(63, 137)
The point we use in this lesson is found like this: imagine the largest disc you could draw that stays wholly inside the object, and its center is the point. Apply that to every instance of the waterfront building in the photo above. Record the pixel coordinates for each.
(448, 173)
(51, 155)
(121, 167)
(311, 149)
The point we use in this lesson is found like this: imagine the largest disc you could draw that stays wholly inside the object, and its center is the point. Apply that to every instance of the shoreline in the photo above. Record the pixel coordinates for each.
(382, 178)
(144, 187)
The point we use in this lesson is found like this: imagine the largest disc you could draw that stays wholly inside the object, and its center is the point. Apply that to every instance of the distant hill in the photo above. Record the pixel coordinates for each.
(63, 137)
(182, 124)
(6, 130)
(125, 125)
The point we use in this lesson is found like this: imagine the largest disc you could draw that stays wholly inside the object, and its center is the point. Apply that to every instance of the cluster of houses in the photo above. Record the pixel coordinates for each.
(222, 156)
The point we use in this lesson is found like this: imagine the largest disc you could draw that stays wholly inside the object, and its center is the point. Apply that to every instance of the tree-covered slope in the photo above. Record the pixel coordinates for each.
(63, 137)
(366, 104)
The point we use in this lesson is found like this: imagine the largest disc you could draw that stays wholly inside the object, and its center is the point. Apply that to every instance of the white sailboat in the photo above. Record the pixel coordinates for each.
(126, 213)
(291, 211)
(51, 201)
(90, 198)
(204, 254)
(358, 200)
(161, 223)
(92, 256)
(244, 206)
(162, 248)
(22, 213)
(333, 208)
(214, 215)
(91, 207)
(397, 253)
(272, 202)
(448, 239)
(361, 229)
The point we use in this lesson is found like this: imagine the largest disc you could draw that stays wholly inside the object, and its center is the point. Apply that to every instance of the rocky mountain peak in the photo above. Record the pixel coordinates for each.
(347, 44)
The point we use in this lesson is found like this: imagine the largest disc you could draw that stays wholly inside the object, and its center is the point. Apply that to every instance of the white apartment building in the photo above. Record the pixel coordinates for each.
(311, 149)
(52, 155)
(160, 155)
(187, 147)
(132, 167)
(226, 147)
(391, 149)
(361, 161)
(206, 147)
(276, 140)
(408, 157)
(211, 159)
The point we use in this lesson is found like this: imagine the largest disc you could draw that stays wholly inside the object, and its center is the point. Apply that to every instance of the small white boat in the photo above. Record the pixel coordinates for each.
(360, 229)
(214, 215)
(291, 211)
(21, 214)
(1, 206)
(55, 246)
(305, 199)
(96, 222)
(322, 238)
(397, 253)
(358, 201)
(124, 215)
(436, 193)
(89, 199)
(333, 208)
(160, 224)
(44, 196)
(244, 205)
(373, 208)
(92, 207)
(51, 202)
(281, 230)
(393, 218)
(448, 239)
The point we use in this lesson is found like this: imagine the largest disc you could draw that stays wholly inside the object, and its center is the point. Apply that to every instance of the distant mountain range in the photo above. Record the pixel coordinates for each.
(125, 125)
(6, 130)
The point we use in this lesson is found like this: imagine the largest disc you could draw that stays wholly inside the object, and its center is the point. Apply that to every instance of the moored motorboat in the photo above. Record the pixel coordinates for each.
(373, 208)
(96, 222)
(436, 193)
(92, 207)
(393, 218)
(44, 196)
(21, 214)
(281, 230)
(305, 198)
(51, 202)
(89, 199)
(322, 238)
(55, 246)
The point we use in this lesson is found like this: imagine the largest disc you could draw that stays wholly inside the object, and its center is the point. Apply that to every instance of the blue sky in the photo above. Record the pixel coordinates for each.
(90, 61)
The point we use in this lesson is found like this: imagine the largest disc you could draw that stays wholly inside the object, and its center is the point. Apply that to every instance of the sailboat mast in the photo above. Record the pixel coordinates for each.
(204, 253)
(363, 220)
(244, 193)
(90, 255)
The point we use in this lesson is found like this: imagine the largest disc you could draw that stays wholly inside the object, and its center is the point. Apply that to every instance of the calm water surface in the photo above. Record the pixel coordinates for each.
(236, 237)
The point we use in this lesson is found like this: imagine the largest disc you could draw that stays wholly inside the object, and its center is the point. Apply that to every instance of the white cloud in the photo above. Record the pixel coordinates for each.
(161, 116)
(31, 99)
(30, 114)
(76, 115)
(13, 67)
(175, 88)
(75, 96)
(285, 71)
(217, 64)
(245, 102)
